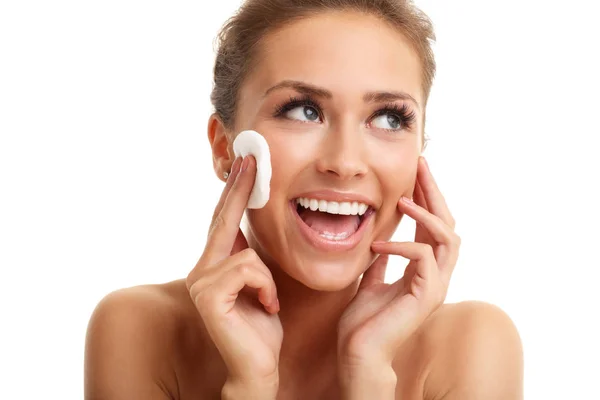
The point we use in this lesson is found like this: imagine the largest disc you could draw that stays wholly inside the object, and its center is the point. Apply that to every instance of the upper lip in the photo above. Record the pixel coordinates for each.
(331, 195)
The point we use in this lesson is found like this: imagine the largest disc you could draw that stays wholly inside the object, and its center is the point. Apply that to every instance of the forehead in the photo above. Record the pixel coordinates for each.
(347, 53)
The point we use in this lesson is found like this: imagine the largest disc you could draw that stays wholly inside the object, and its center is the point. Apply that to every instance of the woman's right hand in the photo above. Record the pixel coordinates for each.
(223, 286)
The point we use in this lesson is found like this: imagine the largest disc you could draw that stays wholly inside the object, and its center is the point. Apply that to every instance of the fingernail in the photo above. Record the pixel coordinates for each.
(425, 162)
(235, 168)
(245, 163)
(242, 160)
(407, 201)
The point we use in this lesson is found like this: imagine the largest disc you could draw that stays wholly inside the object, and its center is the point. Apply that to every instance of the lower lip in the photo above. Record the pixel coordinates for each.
(325, 244)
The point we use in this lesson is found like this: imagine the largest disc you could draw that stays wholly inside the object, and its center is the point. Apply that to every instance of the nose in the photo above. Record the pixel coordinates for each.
(342, 155)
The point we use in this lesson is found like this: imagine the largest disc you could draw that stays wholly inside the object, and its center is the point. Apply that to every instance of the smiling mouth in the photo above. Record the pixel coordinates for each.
(332, 221)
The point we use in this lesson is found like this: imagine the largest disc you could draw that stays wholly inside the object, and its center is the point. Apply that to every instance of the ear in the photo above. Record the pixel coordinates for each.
(222, 151)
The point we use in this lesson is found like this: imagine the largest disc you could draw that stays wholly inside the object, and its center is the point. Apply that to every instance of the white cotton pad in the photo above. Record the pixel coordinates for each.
(252, 142)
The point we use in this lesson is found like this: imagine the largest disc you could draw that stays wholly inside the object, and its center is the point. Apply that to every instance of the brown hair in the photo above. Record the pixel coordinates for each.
(239, 38)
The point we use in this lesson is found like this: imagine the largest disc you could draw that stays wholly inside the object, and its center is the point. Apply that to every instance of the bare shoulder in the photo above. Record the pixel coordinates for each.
(130, 346)
(476, 353)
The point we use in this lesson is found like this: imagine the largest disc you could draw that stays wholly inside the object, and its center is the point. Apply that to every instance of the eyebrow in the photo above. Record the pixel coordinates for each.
(369, 97)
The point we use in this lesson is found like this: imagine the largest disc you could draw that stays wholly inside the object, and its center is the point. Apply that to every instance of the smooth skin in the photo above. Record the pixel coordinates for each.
(264, 315)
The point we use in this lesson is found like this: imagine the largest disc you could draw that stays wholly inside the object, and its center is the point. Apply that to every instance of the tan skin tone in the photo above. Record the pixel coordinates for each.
(268, 314)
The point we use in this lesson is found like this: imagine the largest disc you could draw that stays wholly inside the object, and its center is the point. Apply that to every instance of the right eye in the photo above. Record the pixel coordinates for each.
(303, 113)
(304, 109)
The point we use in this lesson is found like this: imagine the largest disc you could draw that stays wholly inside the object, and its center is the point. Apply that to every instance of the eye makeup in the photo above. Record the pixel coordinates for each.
(294, 102)
(401, 113)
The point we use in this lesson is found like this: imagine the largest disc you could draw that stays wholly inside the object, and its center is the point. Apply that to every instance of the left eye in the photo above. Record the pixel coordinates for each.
(387, 121)
(303, 113)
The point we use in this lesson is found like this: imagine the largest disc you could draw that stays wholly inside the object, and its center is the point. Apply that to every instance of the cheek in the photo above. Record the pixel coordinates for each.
(280, 171)
(290, 152)
(284, 162)
(396, 168)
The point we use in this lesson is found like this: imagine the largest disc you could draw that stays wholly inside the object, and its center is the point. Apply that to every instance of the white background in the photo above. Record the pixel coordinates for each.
(106, 178)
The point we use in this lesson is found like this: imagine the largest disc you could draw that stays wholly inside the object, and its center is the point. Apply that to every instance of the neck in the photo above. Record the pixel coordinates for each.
(309, 317)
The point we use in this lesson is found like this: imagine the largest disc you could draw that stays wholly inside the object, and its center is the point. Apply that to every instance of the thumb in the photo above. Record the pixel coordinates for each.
(240, 243)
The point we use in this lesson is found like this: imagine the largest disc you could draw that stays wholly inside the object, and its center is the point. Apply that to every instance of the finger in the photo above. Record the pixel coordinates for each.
(227, 223)
(375, 273)
(240, 243)
(230, 180)
(213, 273)
(448, 257)
(435, 200)
(226, 289)
(217, 287)
(420, 253)
(419, 197)
(439, 230)
(448, 242)
(421, 293)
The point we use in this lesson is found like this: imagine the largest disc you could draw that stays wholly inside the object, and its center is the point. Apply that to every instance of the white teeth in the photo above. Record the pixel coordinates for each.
(322, 205)
(333, 207)
(362, 208)
(345, 208)
(335, 236)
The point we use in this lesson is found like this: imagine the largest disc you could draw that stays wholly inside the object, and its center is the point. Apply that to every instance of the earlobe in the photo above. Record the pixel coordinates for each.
(221, 149)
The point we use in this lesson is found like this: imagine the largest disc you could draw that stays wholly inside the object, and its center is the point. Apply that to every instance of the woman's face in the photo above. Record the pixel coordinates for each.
(338, 98)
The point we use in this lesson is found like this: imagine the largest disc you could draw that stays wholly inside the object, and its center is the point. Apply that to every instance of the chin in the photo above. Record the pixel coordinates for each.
(323, 268)
(325, 275)
(321, 273)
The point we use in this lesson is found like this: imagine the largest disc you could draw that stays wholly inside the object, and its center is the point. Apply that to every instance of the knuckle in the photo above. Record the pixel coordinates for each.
(219, 222)
(244, 270)
(202, 301)
(457, 240)
(196, 288)
(202, 294)
(249, 255)
(192, 281)
(207, 302)
(426, 249)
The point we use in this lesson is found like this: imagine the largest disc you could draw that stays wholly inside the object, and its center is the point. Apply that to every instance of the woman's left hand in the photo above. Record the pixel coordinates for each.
(382, 316)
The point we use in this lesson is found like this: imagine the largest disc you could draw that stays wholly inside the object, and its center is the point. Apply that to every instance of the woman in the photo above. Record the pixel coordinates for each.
(338, 88)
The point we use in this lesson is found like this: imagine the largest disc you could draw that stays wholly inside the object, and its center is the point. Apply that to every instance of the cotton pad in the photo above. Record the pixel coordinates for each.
(252, 142)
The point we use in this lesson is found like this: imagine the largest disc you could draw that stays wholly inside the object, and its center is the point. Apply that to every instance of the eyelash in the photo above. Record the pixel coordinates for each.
(293, 102)
(404, 113)
(407, 117)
